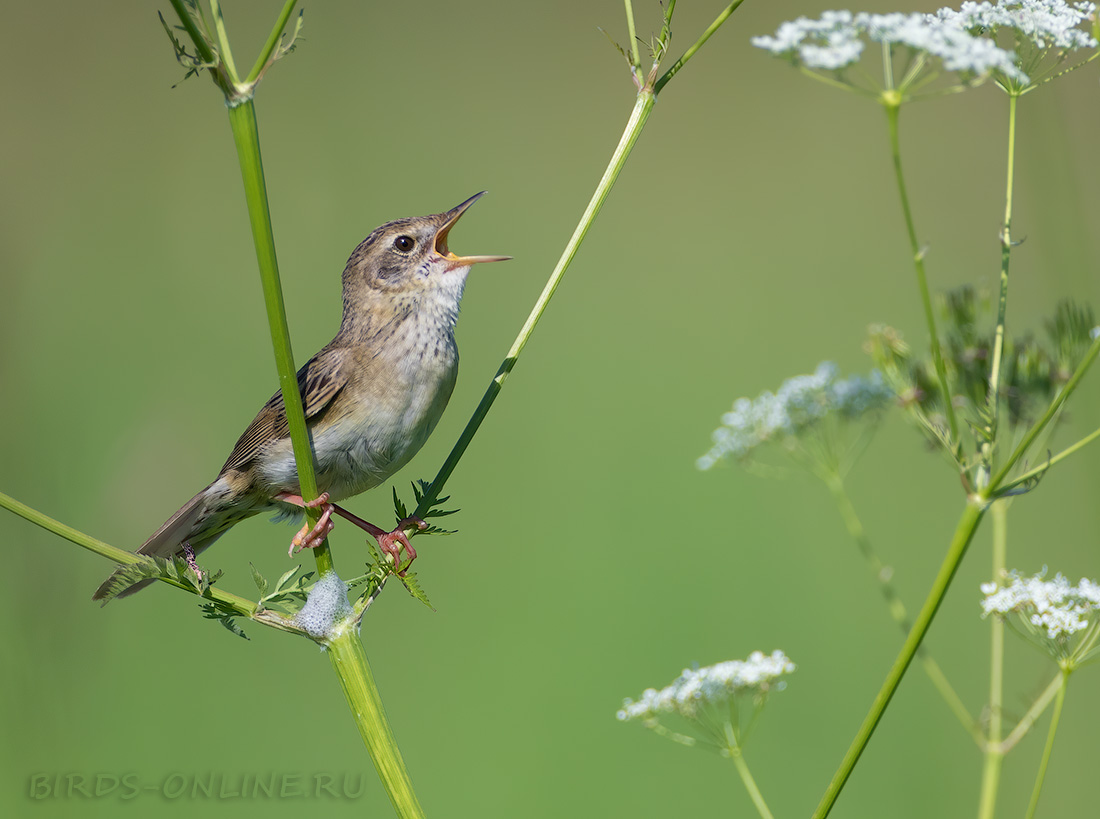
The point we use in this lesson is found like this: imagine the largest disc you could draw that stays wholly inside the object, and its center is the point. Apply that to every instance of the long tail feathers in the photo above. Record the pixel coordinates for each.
(168, 541)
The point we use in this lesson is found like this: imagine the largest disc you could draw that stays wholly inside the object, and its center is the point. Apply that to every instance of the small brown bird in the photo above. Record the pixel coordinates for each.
(372, 395)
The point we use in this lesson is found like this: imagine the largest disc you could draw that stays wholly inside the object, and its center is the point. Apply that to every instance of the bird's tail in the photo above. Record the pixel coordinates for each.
(167, 542)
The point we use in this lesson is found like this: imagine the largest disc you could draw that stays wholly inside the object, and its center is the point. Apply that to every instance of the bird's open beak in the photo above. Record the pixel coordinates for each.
(453, 215)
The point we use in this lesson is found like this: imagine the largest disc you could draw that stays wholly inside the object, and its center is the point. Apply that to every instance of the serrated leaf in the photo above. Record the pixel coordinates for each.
(212, 611)
(413, 587)
(281, 585)
(399, 507)
(258, 579)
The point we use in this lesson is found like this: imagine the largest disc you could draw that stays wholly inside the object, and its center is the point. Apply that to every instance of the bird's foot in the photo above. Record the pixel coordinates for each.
(390, 543)
(310, 537)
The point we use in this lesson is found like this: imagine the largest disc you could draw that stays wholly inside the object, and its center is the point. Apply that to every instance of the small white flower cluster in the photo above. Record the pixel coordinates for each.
(1046, 23)
(835, 41)
(800, 402)
(1051, 606)
(714, 684)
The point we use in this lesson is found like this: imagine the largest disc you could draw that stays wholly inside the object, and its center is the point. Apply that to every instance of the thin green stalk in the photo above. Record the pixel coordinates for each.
(272, 43)
(246, 608)
(1054, 719)
(896, 607)
(687, 55)
(202, 47)
(642, 109)
(1037, 708)
(996, 482)
(242, 119)
(1051, 461)
(964, 533)
(750, 784)
(893, 107)
(349, 660)
(632, 34)
(994, 753)
(223, 42)
(1002, 301)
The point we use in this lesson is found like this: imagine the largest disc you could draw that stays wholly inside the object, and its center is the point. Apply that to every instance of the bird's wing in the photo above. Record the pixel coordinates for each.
(319, 382)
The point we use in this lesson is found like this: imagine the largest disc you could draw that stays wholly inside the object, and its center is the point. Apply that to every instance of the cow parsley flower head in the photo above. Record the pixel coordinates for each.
(1063, 619)
(710, 698)
(804, 406)
(836, 41)
(1045, 23)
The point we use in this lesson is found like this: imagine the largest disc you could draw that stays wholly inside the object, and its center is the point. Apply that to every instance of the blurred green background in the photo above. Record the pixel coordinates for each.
(754, 232)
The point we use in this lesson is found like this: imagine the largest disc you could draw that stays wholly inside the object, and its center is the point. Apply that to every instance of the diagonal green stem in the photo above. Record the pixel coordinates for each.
(995, 484)
(895, 605)
(272, 43)
(1051, 461)
(349, 660)
(246, 608)
(1037, 708)
(687, 55)
(964, 533)
(893, 107)
(642, 109)
(750, 784)
(1045, 761)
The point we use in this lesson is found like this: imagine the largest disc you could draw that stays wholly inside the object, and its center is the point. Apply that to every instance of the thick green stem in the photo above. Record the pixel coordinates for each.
(242, 119)
(993, 400)
(893, 108)
(1054, 718)
(642, 109)
(349, 660)
(994, 753)
(895, 605)
(964, 533)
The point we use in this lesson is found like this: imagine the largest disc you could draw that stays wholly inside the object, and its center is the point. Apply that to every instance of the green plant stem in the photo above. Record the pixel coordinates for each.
(994, 753)
(687, 55)
(1051, 461)
(894, 604)
(349, 660)
(242, 119)
(964, 533)
(272, 43)
(1051, 411)
(1054, 719)
(750, 784)
(1037, 708)
(993, 401)
(642, 109)
(202, 47)
(632, 34)
(246, 608)
(893, 108)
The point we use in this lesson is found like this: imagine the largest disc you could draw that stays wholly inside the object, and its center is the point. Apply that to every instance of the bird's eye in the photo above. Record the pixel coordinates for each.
(404, 243)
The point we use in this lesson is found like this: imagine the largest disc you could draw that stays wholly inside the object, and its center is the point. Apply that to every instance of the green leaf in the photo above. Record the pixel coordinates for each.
(413, 587)
(228, 618)
(258, 579)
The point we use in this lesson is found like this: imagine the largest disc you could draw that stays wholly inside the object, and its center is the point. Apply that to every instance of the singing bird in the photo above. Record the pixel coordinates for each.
(372, 396)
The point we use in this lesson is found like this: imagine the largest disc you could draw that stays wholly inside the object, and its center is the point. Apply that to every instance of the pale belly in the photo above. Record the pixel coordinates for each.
(364, 448)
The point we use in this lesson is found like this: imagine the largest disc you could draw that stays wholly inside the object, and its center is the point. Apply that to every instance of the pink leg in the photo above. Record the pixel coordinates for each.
(310, 538)
(389, 542)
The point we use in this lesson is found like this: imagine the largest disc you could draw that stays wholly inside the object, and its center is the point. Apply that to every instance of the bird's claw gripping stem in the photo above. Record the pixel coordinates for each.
(311, 537)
